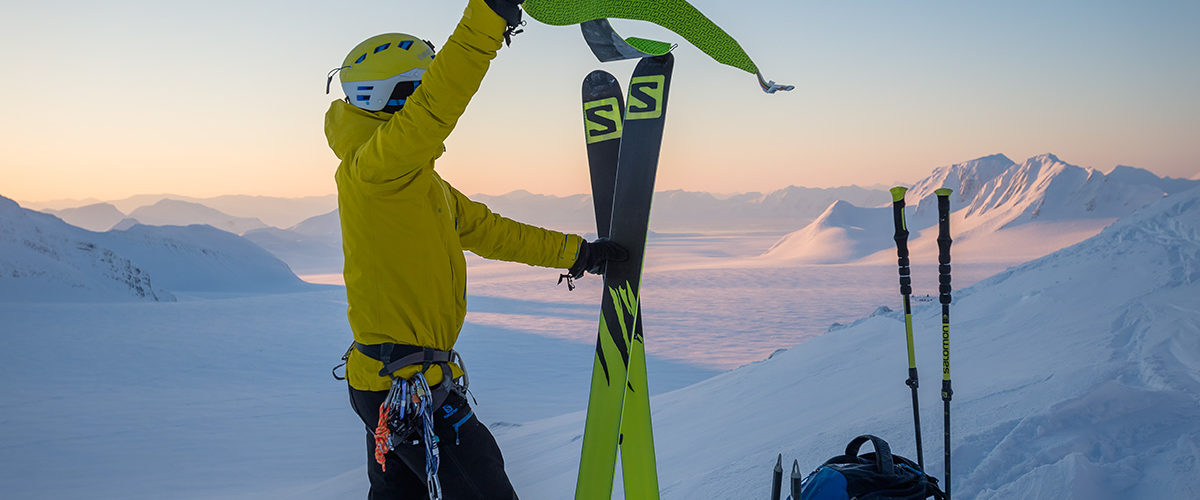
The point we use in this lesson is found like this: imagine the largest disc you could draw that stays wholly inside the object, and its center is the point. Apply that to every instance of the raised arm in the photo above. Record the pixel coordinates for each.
(414, 135)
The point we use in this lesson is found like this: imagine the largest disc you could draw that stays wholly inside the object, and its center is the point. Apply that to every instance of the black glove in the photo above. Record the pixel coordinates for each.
(594, 255)
(509, 10)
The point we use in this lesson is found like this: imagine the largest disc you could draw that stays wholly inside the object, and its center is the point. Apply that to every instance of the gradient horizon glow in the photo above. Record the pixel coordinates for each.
(111, 99)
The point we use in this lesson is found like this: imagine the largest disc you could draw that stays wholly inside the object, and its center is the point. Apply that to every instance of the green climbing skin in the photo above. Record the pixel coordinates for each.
(676, 15)
(652, 47)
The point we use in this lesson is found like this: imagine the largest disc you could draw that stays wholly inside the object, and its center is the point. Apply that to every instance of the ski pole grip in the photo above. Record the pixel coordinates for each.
(901, 238)
(943, 240)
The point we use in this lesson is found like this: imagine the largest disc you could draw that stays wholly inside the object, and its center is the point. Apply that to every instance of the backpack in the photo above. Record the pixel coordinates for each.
(875, 476)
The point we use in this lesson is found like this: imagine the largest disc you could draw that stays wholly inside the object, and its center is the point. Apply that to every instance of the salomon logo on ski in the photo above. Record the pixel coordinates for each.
(603, 119)
(645, 97)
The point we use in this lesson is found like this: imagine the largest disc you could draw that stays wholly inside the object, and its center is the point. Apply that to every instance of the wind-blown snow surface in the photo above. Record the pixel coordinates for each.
(1076, 376)
(232, 397)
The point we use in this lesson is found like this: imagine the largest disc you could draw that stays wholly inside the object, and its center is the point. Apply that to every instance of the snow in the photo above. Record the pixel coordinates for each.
(1001, 211)
(43, 258)
(1047, 404)
(1076, 375)
(46, 259)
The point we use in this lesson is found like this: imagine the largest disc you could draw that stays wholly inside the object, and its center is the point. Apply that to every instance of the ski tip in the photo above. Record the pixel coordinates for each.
(600, 77)
(943, 192)
(898, 193)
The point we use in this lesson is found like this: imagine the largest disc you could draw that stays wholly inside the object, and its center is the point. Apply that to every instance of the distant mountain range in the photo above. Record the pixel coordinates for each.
(94, 217)
(42, 258)
(271, 210)
(177, 213)
(1002, 211)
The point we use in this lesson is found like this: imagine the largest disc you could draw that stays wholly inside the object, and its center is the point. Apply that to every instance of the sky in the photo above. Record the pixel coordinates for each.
(110, 99)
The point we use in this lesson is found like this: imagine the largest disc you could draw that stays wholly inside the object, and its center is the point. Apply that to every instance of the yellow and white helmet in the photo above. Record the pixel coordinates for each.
(381, 72)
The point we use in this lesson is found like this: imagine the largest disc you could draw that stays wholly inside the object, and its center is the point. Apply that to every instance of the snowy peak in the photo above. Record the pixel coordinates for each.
(842, 233)
(1001, 210)
(170, 212)
(964, 178)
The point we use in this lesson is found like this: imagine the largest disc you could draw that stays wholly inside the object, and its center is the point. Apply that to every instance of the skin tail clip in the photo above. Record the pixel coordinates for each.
(770, 87)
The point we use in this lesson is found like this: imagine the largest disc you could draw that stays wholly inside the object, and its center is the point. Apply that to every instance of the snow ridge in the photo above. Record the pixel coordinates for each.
(45, 259)
(1000, 208)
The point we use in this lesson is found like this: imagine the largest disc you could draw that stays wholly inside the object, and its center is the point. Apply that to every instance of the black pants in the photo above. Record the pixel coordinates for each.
(471, 466)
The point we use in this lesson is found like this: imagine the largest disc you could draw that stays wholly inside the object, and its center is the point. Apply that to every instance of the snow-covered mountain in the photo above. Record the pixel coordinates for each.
(842, 231)
(43, 258)
(201, 258)
(94, 217)
(46, 259)
(181, 213)
(1001, 210)
(1103, 402)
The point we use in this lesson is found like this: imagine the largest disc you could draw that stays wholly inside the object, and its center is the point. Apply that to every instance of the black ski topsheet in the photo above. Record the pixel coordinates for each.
(603, 115)
(620, 353)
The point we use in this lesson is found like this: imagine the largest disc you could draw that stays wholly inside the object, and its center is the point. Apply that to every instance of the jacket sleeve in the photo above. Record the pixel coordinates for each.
(414, 135)
(494, 237)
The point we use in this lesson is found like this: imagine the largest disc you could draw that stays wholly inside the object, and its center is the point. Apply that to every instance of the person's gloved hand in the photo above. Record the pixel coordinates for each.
(510, 10)
(594, 255)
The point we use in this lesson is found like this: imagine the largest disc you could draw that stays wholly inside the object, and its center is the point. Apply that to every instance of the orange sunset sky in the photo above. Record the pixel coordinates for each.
(111, 99)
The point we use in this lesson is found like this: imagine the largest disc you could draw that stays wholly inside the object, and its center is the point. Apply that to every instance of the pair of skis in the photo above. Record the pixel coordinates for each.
(623, 145)
(943, 240)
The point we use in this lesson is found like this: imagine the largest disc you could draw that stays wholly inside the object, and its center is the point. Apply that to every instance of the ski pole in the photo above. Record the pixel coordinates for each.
(943, 240)
(797, 481)
(901, 238)
(777, 478)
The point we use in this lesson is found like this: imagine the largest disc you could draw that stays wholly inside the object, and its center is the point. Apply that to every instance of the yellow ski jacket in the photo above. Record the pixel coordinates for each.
(404, 229)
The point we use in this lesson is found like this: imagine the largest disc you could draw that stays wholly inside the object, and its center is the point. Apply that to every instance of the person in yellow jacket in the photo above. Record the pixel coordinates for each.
(404, 230)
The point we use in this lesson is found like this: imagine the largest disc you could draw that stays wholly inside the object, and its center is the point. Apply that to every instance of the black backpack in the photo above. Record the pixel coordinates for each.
(875, 476)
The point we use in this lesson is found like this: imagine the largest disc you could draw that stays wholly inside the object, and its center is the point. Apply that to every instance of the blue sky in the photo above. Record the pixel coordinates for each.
(109, 99)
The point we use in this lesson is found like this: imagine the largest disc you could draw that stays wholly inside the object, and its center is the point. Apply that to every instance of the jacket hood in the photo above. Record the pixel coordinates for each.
(347, 127)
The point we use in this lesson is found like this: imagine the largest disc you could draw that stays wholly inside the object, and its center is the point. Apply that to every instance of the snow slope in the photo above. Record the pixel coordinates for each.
(94, 217)
(1001, 211)
(43, 258)
(200, 258)
(46, 259)
(1076, 376)
(181, 213)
